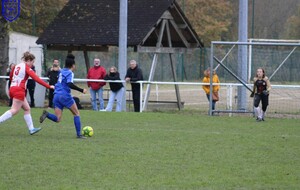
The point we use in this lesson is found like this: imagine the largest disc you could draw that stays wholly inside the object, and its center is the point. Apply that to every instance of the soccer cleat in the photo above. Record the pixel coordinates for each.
(43, 116)
(259, 119)
(81, 137)
(34, 130)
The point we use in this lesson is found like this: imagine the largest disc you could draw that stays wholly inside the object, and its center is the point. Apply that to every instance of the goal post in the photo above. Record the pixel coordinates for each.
(251, 43)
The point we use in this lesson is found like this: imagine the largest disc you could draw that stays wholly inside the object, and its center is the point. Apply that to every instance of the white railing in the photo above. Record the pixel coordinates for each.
(282, 94)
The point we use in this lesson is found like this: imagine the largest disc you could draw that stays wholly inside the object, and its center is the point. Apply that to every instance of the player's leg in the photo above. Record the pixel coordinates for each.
(53, 117)
(77, 121)
(16, 106)
(265, 103)
(58, 102)
(93, 99)
(257, 110)
(18, 96)
(28, 118)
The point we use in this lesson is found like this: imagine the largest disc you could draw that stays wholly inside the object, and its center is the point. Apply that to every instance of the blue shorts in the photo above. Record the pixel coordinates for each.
(61, 101)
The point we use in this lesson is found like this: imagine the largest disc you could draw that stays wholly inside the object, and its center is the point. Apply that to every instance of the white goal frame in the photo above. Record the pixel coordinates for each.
(252, 42)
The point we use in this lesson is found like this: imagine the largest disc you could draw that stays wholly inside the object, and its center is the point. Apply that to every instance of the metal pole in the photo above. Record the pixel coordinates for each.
(242, 52)
(252, 28)
(282, 62)
(250, 62)
(123, 44)
(141, 96)
(225, 57)
(211, 74)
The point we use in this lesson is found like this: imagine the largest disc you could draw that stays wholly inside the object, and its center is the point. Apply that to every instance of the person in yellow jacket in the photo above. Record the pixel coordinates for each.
(206, 88)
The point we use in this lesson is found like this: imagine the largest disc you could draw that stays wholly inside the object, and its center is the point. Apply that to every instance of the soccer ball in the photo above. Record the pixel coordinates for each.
(87, 131)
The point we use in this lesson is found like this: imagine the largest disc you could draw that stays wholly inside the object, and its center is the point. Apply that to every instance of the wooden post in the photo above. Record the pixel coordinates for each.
(87, 61)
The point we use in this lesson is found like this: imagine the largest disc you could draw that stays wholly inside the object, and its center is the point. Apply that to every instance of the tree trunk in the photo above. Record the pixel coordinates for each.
(4, 47)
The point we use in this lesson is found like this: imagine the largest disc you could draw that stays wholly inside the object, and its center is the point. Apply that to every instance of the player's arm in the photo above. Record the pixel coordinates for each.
(32, 74)
(74, 87)
(268, 84)
(254, 87)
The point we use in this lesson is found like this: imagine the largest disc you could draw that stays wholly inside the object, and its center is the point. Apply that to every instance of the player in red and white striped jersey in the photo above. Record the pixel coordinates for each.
(17, 91)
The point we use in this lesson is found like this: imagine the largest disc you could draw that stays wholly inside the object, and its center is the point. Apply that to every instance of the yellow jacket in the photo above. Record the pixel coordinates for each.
(215, 79)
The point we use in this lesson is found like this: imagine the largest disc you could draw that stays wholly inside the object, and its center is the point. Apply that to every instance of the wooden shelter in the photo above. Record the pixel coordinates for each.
(154, 26)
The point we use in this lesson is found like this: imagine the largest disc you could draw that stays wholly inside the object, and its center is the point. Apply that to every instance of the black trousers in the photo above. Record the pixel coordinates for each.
(264, 101)
(31, 88)
(136, 97)
(50, 98)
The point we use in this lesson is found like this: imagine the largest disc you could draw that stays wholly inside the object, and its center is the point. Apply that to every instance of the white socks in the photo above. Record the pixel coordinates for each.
(262, 114)
(5, 116)
(258, 112)
(28, 120)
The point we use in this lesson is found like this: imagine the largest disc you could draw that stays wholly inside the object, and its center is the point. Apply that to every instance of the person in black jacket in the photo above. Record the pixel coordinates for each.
(31, 88)
(9, 69)
(116, 90)
(134, 73)
(52, 74)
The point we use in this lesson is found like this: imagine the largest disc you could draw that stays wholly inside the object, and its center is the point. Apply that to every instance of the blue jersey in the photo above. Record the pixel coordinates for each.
(61, 87)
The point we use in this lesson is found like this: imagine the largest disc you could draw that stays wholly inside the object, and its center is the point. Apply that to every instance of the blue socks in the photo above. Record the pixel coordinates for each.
(52, 117)
(77, 124)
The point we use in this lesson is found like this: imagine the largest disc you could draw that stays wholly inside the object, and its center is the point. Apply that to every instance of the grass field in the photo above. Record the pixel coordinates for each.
(178, 150)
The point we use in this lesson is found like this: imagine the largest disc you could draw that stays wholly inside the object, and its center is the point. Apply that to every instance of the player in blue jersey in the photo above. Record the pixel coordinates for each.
(63, 98)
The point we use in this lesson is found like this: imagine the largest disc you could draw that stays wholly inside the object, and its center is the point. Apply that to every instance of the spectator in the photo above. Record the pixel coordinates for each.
(9, 69)
(261, 89)
(134, 73)
(206, 88)
(31, 88)
(52, 74)
(96, 88)
(116, 90)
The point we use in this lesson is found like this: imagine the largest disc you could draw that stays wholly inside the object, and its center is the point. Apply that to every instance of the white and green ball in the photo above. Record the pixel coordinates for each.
(87, 131)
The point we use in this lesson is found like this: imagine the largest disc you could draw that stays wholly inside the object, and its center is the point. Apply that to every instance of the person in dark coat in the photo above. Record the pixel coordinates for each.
(116, 90)
(9, 69)
(31, 88)
(134, 73)
(52, 74)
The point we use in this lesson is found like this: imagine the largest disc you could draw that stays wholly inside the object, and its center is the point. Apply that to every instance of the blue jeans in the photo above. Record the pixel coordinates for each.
(213, 102)
(115, 96)
(94, 98)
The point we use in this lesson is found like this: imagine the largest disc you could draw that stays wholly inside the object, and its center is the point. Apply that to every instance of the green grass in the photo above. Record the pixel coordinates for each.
(179, 150)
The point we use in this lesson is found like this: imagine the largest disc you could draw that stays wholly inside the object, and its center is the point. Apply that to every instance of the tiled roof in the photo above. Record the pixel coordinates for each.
(96, 22)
